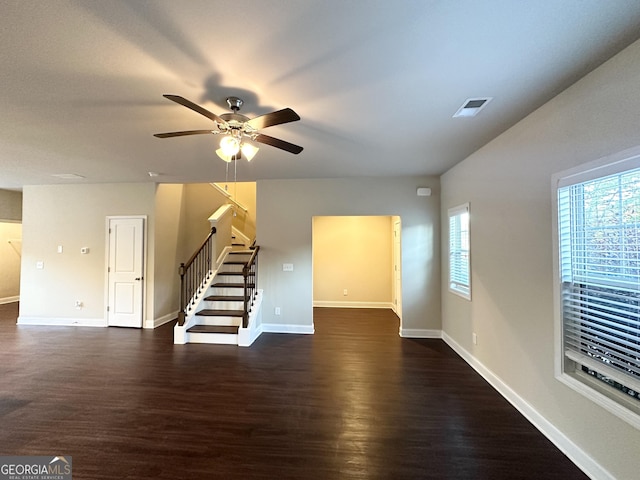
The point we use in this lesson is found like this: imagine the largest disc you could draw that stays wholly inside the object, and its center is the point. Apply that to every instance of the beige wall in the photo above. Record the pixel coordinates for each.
(508, 185)
(74, 216)
(245, 194)
(352, 253)
(285, 209)
(201, 201)
(10, 252)
(10, 205)
(170, 246)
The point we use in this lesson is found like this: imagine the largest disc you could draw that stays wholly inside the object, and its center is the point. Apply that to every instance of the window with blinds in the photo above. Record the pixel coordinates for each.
(459, 253)
(599, 269)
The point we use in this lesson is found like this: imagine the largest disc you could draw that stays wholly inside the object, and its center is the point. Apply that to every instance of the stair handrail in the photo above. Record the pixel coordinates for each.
(250, 269)
(192, 274)
(229, 197)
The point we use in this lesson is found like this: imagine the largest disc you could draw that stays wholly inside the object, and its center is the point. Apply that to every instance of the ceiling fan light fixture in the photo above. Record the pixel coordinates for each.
(226, 158)
(229, 145)
(249, 151)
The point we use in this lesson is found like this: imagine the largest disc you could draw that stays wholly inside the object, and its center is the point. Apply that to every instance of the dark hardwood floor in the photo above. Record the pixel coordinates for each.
(353, 401)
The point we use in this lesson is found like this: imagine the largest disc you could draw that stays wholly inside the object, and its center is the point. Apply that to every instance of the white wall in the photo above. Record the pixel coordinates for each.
(352, 253)
(284, 220)
(508, 185)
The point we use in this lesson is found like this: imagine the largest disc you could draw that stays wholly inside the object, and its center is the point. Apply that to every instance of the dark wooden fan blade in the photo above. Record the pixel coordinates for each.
(181, 134)
(195, 108)
(276, 142)
(285, 115)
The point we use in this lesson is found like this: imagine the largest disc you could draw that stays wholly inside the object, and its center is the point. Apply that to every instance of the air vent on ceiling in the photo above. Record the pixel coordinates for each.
(472, 106)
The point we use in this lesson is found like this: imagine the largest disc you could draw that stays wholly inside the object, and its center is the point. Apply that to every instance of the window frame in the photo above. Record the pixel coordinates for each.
(566, 370)
(455, 284)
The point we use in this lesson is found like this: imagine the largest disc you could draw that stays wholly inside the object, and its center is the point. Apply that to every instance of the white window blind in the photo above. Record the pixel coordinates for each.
(599, 248)
(459, 251)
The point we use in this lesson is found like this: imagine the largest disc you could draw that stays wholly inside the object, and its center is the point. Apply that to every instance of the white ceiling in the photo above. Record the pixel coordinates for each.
(376, 82)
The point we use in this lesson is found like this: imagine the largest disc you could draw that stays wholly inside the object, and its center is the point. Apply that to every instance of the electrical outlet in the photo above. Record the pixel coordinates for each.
(78, 304)
(344, 292)
(277, 311)
(287, 267)
(474, 337)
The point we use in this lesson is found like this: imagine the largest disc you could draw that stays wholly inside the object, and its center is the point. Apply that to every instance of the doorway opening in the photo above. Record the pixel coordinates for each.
(357, 262)
(10, 259)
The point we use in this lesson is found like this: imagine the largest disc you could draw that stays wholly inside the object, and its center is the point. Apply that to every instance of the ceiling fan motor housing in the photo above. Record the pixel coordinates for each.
(235, 103)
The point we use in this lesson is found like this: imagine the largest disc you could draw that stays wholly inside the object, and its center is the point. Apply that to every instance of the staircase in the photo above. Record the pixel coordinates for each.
(219, 299)
(226, 308)
(222, 310)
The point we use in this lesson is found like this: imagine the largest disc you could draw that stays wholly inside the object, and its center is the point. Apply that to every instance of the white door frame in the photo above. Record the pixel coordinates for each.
(108, 219)
(397, 265)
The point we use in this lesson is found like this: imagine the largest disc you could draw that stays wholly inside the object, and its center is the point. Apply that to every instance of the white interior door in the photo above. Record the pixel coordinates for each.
(125, 272)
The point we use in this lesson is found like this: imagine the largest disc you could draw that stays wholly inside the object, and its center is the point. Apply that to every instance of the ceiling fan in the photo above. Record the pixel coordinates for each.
(237, 127)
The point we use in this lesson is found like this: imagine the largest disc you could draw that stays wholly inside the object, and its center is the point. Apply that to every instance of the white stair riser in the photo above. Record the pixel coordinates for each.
(219, 305)
(230, 279)
(232, 268)
(225, 291)
(215, 338)
(226, 320)
(219, 321)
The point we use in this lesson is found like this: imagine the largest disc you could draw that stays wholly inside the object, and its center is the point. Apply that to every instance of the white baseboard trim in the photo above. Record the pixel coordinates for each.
(6, 300)
(62, 322)
(420, 333)
(332, 304)
(578, 456)
(282, 328)
(156, 322)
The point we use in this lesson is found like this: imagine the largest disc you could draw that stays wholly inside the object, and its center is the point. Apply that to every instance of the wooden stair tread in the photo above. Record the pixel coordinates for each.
(220, 313)
(234, 262)
(213, 329)
(232, 285)
(230, 273)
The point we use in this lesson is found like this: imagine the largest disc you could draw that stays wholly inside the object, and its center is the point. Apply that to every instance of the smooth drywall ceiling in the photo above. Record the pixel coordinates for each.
(285, 212)
(352, 260)
(10, 252)
(508, 186)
